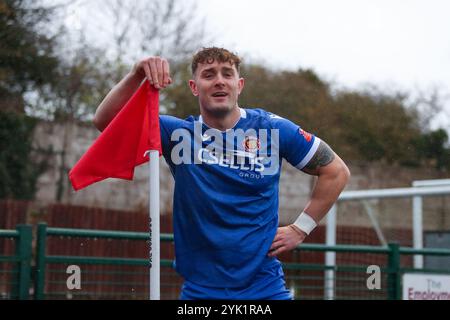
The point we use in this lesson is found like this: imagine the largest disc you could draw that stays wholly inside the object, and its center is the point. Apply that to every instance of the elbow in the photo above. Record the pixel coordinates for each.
(339, 174)
(344, 173)
(97, 123)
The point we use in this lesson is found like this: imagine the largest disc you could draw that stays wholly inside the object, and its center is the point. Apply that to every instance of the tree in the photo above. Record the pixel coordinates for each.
(84, 78)
(179, 100)
(169, 28)
(28, 63)
(87, 71)
(429, 105)
(377, 127)
(18, 173)
(132, 30)
(299, 96)
(363, 126)
(27, 57)
(138, 28)
(431, 146)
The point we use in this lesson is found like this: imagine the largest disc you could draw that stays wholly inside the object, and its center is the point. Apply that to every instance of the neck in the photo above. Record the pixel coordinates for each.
(221, 122)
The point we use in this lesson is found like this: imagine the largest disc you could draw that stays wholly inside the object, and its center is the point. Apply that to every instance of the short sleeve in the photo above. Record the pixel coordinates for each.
(167, 125)
(296, 145)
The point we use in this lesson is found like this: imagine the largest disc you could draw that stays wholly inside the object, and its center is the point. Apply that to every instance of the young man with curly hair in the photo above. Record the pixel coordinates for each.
(226, 163)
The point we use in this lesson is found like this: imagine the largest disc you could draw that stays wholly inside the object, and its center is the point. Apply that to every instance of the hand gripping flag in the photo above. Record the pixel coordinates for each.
(124, 143)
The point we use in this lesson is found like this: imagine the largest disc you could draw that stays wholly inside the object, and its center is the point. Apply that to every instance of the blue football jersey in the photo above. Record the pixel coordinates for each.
(225, 204)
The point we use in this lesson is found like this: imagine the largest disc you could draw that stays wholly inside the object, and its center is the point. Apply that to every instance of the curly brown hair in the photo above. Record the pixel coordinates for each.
(211, 54)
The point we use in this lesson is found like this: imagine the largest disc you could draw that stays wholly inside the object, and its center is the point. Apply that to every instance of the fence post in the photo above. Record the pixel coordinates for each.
(23, 252)
(418, 230)
(39, 284)
(330, 256)
(394, 275)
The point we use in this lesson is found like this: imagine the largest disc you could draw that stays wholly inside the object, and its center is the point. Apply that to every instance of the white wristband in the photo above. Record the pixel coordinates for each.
(305, 223)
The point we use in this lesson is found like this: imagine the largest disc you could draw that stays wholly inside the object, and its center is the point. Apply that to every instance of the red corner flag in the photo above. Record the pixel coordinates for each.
(123, 144)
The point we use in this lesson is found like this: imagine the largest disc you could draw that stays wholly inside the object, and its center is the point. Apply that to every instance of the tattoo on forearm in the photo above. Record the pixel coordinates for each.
(323, 156)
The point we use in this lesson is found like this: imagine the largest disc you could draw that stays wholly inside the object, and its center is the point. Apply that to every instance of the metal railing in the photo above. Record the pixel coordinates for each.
(420, 189)
(43, 260)
(15, 269)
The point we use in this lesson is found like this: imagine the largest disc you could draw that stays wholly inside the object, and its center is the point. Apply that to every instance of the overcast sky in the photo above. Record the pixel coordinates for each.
(402, 44)
(393, 44)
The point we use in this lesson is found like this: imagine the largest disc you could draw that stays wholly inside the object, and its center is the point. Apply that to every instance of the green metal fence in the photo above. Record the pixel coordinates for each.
(349, 281)
(15, 262)
(127, 277)
(119, 277)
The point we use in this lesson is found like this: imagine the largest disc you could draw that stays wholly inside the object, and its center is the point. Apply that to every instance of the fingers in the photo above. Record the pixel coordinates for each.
(147, 72)
(277, 251)
(277, 236)
(281, 233)
(278, 245)
(285, 240)
(166, 73)
(157, 71)
(275, 245)
(154, 72)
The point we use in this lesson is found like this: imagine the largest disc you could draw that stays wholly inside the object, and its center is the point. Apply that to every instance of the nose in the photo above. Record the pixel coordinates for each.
(220, 80)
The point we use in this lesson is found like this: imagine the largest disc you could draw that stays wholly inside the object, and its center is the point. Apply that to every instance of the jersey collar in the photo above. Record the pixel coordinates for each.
(241, 110)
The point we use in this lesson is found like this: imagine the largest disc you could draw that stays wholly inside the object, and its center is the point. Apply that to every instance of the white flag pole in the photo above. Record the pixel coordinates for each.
(154, 226)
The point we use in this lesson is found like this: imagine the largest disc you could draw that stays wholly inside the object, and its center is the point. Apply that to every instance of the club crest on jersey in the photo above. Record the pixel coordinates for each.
(251, 144)
(305, 134)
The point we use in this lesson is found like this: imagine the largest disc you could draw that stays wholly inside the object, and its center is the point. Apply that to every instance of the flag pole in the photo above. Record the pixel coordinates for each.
(154, 225)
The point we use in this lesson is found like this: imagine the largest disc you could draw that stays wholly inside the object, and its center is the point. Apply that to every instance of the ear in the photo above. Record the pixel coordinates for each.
(193, 87)
(241, 83)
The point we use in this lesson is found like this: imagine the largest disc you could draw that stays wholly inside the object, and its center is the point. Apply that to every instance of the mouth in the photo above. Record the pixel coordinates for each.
(219, 94)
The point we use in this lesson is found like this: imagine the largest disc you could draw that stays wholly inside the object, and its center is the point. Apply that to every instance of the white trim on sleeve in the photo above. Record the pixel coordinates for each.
(309, 155)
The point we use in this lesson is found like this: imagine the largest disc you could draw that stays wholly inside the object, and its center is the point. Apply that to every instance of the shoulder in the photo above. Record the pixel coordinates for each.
(263, 116)
(256, 113)
(273, 120)
(169, 118)
(171, 123)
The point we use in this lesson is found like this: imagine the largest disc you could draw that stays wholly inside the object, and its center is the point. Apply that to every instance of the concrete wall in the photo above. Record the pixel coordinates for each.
(295, 186)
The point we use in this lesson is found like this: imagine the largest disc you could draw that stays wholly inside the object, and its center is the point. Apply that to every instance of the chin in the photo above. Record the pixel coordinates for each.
(218, 109)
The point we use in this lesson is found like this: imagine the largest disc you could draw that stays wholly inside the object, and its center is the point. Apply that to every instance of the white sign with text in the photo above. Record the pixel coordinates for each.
(426, 287)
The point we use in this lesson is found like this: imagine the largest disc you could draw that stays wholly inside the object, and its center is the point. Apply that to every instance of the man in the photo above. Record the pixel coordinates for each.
(226, 165)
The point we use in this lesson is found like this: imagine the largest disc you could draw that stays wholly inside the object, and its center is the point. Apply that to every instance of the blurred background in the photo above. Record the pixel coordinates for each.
(370, 78)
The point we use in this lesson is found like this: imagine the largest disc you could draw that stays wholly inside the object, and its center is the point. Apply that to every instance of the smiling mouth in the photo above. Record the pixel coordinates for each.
(219, 94)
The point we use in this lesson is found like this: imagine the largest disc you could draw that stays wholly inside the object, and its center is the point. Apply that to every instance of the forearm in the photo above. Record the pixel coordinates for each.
(333, 175)
(326, 192)
(116, 99)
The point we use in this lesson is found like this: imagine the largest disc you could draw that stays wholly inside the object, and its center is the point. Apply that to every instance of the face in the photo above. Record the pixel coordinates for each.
(217, 85)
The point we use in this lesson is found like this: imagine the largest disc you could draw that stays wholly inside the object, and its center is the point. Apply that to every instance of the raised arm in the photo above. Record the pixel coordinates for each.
(155, 69)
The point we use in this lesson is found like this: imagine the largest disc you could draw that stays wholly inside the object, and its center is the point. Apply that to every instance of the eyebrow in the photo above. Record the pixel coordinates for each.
(214, 70)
